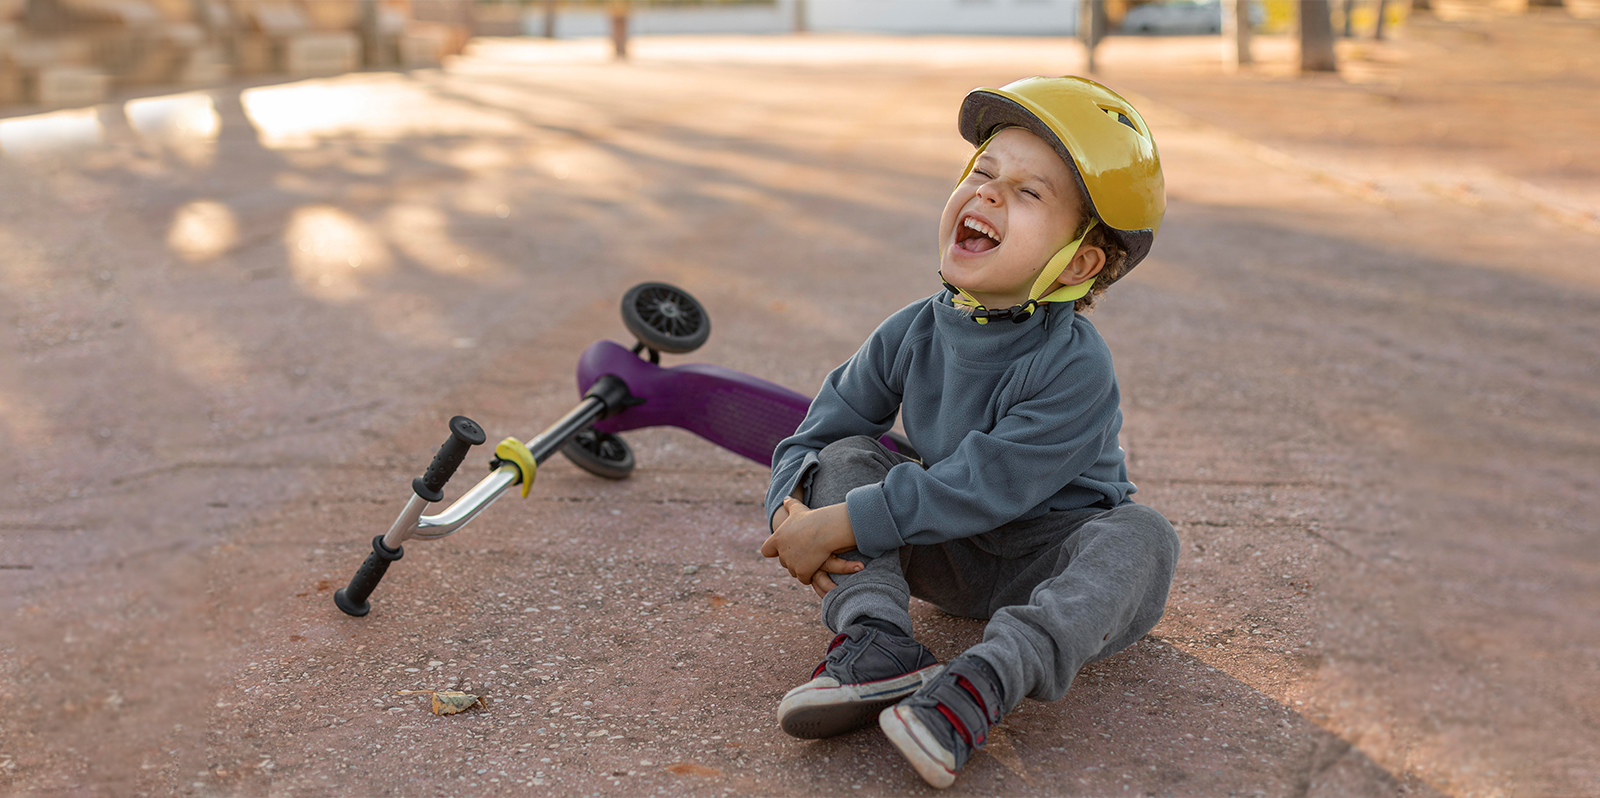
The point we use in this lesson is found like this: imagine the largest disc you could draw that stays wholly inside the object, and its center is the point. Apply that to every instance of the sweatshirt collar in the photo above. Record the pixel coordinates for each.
(996, 343)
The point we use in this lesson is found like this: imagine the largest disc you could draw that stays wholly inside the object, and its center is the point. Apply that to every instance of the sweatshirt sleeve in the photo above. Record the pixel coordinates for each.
(857, 398)
(1039, 446)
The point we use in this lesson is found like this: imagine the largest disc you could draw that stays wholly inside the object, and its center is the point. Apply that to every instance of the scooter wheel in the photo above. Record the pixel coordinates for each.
(665, 318)
(599, 453)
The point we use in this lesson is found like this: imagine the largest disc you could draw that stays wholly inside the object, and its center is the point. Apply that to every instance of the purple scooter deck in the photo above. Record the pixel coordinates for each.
(745, 415)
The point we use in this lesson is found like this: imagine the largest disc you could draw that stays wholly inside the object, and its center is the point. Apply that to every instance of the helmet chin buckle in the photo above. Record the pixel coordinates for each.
(982, 315)
(1016, 313)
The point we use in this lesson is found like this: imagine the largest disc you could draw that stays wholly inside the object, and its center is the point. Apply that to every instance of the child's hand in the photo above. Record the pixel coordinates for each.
(822, 583)
(808, 539)
(782, 513)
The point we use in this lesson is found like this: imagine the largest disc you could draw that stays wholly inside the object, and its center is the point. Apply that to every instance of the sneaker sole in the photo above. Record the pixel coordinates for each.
(916, 745)
(824, 708)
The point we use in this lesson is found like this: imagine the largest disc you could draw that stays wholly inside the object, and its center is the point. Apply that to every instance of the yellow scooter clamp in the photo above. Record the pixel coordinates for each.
(513, 451)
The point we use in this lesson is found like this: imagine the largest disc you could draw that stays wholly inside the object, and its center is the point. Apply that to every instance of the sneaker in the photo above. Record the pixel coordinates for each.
(939, 727)
(865, 670)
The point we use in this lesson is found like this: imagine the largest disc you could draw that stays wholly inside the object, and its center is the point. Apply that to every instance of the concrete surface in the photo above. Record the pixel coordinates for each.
(1359, 375)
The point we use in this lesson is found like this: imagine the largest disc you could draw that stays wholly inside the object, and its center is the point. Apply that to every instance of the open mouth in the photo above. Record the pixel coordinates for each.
(975, 236)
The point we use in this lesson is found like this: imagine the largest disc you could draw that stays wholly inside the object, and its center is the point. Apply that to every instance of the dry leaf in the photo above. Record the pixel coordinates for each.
(449, 702)
(693, 769)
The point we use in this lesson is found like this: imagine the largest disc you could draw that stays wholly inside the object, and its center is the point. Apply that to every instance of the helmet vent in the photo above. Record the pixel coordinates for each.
(1123, 118)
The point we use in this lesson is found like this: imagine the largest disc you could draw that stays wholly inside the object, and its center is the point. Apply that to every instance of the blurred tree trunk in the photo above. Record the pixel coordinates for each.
(549, 19)
(1236, 32)
(800, 16)
(1377, 30)
(1316, 37)
(618, 10)
(46, 16)
(376, 52)
(1349, 9)
(202, 17)
(1091, 29)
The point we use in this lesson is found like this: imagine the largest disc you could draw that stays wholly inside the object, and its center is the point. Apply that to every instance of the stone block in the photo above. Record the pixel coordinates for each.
(321, 53)
(277, 19)
(333, 14)
(70, 86)
(10, 85)
(253, 54)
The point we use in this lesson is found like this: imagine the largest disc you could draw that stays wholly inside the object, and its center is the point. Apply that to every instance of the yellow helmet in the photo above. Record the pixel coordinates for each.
(1099, 135)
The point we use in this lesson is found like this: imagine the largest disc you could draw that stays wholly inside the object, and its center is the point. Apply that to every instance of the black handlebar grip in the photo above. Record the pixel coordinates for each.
(353, 598)
(464, 434)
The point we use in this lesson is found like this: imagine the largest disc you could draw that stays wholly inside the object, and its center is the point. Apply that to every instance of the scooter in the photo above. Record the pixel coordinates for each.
(622, 389)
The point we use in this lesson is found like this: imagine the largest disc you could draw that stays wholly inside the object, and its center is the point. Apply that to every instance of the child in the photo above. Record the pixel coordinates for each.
(1018, 511)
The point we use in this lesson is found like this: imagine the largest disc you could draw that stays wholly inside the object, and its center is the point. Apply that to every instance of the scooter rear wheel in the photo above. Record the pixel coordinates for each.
(665, 318)
(600, 453)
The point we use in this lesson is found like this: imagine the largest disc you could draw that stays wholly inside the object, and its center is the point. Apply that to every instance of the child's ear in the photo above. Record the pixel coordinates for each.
(1085, 265)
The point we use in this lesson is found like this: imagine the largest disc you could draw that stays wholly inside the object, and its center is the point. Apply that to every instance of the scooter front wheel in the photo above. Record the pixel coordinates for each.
(600, 453)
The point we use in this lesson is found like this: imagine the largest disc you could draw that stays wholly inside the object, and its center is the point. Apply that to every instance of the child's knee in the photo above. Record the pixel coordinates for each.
(843, 466)
(855, 448)
(1153, 530)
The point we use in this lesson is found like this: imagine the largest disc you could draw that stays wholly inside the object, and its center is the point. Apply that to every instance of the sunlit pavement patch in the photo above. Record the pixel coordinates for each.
(54, 132)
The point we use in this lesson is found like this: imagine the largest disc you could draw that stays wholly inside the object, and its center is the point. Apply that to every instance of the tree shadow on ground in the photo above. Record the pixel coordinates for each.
(241, 375)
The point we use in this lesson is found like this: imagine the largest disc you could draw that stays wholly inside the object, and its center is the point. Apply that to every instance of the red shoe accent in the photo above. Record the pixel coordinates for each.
(831, 646)
(961, 728)
(982, 707)
(970, 688)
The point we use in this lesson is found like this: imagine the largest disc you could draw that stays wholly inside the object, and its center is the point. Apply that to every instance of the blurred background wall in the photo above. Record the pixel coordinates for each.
(1022, 17)
(73, 53)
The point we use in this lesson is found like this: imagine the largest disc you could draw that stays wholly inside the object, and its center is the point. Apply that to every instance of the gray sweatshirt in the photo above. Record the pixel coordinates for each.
(1012, 421)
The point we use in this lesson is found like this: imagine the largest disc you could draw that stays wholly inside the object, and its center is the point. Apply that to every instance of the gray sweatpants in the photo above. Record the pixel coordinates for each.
(1060, 591)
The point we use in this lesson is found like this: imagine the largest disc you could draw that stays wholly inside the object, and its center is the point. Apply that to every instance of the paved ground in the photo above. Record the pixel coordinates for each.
(1360, 376)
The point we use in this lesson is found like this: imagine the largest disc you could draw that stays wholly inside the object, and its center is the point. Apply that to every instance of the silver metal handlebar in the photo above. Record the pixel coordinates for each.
(413, 524)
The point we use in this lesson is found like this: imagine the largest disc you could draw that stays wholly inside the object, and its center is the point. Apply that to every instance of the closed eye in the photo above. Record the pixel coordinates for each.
(983, 174)
(1030, 192)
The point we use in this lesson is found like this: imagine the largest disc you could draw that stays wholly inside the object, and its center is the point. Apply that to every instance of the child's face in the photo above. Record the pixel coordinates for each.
(1017, 208)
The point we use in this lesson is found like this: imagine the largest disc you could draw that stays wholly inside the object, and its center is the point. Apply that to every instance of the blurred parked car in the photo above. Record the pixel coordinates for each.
(1182, 16)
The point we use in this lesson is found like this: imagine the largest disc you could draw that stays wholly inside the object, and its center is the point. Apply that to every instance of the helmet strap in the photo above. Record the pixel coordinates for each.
(1057, 264)
(972, 163)
(1052, 271)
